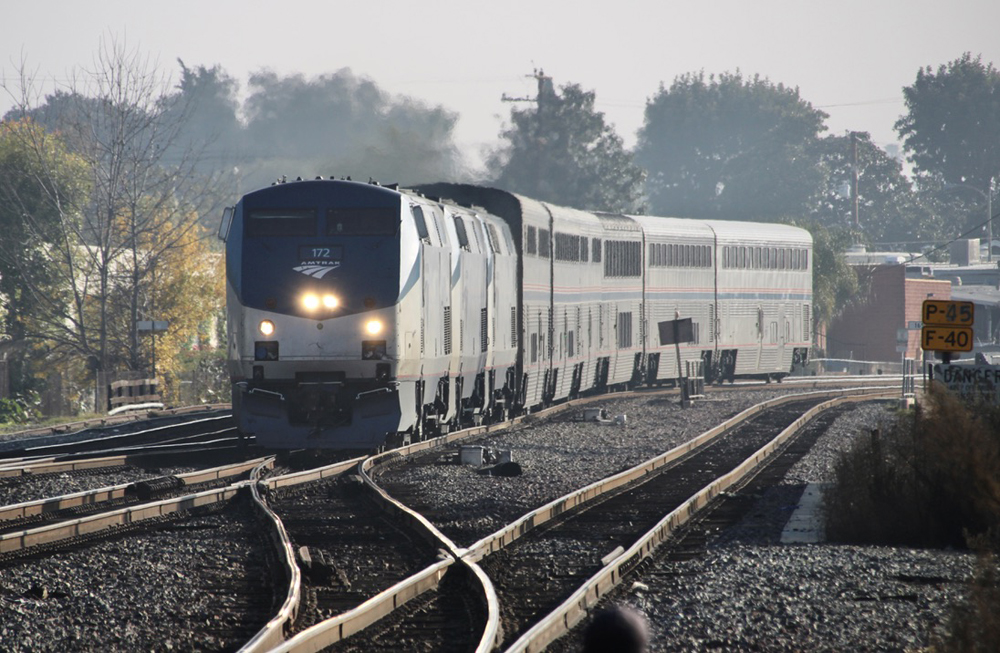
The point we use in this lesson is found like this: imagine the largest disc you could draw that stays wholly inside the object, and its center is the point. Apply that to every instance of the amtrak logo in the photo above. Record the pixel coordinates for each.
(316, 270)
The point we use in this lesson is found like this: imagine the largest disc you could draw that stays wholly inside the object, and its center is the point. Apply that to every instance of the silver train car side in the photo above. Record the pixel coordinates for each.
(361, 316)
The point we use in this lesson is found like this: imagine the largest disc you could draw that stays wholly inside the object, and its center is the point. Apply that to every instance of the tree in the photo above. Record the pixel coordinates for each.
(139, 208)
(39, 181)
(562, 151)
(890, 212)
(835, 284)
(952, 126)
(345, 125)
(729, 147)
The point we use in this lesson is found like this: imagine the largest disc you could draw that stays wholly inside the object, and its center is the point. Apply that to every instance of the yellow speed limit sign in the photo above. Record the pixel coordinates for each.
(948, 313)
(946, 338)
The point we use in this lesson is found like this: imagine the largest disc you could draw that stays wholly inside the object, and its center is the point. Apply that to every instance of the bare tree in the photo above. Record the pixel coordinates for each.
(117, 121)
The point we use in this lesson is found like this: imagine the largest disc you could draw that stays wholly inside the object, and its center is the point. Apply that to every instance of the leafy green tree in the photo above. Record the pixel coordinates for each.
(835, 284)
(562, 151)
(890, 212)
(40, 183)
(345, 125)
(952, 126)
(730, 147)
(206, 103)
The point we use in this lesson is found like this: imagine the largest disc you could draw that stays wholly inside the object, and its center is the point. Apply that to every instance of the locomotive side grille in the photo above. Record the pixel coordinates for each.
(805, 323)
(513, 326)
(484, 335)
(461, 335)
(624, 330)
(711, 323)
(447, 330)
(422, 339)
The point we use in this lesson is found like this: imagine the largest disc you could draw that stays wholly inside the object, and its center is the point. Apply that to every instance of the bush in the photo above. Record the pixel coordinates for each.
(12, 411)
(931, 479)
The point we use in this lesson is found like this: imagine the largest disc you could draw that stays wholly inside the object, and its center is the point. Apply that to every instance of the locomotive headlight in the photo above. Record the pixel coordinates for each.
(310, 301)
(266, 327)
(330, 301)
(373, 327)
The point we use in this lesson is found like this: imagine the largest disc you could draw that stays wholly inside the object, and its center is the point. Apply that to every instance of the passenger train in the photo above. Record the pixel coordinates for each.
(361, 315)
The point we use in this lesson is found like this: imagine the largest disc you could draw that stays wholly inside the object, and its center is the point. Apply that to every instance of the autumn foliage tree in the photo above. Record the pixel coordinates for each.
(138, 208)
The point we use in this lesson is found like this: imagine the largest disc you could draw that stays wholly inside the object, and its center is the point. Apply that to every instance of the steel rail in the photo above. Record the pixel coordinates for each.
(83, 425)
(100, 495)
(273, 632)
(575, 608)
(332, 630)
(24, 539)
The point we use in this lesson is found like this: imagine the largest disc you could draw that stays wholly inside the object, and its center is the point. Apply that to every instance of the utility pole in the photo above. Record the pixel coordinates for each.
(854, 171)
(989, 219)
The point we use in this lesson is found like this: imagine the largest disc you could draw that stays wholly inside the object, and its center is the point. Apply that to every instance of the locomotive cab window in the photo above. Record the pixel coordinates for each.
(421, 224)
(281, 222)
(374, 221)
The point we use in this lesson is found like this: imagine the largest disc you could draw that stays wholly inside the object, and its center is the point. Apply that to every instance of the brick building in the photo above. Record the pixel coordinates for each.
(867, 330)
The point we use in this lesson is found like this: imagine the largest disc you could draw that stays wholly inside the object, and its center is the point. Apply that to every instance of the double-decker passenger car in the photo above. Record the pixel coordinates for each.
(361, 315)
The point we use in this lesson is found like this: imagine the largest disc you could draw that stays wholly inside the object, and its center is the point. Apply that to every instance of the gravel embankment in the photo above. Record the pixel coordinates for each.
(144, 592)
(557, 456)
(31, 488)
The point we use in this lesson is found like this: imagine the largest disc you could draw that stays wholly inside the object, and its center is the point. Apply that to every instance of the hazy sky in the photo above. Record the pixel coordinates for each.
(850, 58)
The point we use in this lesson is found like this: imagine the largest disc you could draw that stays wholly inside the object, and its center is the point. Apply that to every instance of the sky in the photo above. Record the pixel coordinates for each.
(849, 58)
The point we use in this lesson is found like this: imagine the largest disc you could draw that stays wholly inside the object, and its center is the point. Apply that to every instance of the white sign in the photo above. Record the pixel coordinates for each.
(972, 382)
(902, 348)
(151, 325)
(914, 326)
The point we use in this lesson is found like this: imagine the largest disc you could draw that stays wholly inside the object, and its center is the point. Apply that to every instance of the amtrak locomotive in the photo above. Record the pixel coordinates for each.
(362, 315)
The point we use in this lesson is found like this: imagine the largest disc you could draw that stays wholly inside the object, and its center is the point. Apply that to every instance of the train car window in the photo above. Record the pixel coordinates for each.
(708, 256)
(596, 250)
(795, 259)
(281, 222)
(543, 243)
(805, 259)
(368, 221)
(567, 247)
(418, 220)
(463, 237)
(530, 245)
(584, 248)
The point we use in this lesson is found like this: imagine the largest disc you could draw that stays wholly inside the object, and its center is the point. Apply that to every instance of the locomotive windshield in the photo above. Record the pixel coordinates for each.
(282, 222)
(380, 221)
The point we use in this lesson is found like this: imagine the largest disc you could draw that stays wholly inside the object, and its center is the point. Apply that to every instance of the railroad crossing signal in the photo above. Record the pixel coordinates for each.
(947, 325)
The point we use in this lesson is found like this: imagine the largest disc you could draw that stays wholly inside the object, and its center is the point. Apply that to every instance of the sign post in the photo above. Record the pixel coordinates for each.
(152, 327)
(675, 332)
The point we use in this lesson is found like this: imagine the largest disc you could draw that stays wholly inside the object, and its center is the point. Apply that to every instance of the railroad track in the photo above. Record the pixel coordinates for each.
(438, 582)
(407, 629)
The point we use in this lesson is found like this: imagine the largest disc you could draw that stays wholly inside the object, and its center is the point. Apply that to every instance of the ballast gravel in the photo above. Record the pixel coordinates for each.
(749, 592)
(179, 587)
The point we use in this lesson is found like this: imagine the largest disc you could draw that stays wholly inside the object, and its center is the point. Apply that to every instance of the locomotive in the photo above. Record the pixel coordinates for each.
(361, 316)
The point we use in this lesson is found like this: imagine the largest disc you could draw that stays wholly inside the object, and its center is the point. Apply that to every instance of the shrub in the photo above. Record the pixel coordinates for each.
(12, 411)
(930, 479)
